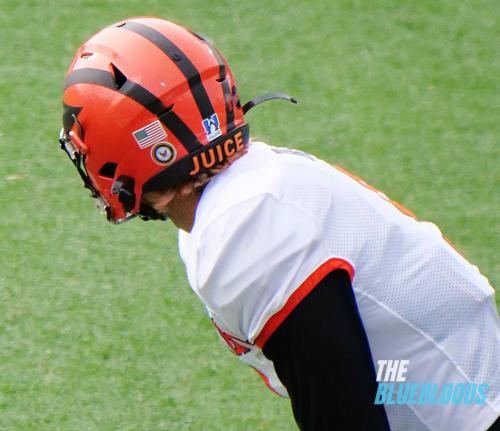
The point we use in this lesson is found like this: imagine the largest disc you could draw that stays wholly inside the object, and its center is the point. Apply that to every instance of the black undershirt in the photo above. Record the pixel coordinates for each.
(321, 355)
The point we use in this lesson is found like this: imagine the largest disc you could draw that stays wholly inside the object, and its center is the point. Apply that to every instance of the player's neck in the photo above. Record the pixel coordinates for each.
(182, 210)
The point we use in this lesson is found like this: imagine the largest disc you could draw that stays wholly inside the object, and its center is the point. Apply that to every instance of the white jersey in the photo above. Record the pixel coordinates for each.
(270, 227)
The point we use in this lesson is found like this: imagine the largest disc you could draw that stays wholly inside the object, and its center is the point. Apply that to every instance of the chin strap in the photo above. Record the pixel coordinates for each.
(264, 97)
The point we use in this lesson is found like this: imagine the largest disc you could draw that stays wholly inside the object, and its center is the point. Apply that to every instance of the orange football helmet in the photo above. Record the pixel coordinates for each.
(147, 105)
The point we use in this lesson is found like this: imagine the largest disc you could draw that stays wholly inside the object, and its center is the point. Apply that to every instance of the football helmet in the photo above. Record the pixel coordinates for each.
(147, 105)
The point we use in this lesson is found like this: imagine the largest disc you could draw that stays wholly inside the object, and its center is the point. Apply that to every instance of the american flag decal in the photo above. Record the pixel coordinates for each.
(150, 134)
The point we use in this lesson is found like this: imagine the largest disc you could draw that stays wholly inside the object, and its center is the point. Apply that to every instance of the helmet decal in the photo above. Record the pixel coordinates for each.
(164, 153)
(200, 161)
(212, 127)
(149, 135)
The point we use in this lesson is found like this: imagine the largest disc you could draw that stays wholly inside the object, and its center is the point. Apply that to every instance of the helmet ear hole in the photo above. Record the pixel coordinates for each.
(108, 170)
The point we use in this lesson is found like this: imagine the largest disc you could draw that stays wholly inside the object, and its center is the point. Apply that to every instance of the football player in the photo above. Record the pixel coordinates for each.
(311, 276)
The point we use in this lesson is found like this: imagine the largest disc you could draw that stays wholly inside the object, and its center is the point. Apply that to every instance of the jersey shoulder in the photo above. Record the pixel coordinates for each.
(249, 251)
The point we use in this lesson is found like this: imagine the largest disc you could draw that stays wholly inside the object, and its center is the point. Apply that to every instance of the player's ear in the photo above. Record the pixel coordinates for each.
(159, 200)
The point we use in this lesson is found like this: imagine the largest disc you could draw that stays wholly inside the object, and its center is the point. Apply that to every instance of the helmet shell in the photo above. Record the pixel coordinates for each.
(147, 97)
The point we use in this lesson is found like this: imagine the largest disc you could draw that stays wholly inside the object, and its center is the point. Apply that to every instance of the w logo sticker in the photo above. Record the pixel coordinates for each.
(212, 127)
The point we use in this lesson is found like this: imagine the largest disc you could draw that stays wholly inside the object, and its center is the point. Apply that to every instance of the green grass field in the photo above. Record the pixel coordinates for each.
(98, 327)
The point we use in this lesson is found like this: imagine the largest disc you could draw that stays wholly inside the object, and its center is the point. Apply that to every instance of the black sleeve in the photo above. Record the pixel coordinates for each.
(495, 426)
(321, 355)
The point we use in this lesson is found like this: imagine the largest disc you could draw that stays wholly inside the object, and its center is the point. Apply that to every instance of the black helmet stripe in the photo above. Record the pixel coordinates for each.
(142, 96)
(180, 60)
(228, 94)
(90, 76)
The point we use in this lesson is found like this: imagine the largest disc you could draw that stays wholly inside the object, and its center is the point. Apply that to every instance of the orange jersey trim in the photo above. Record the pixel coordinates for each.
(302, 291)
(361, 181)
(267, 382)
(400, 207)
